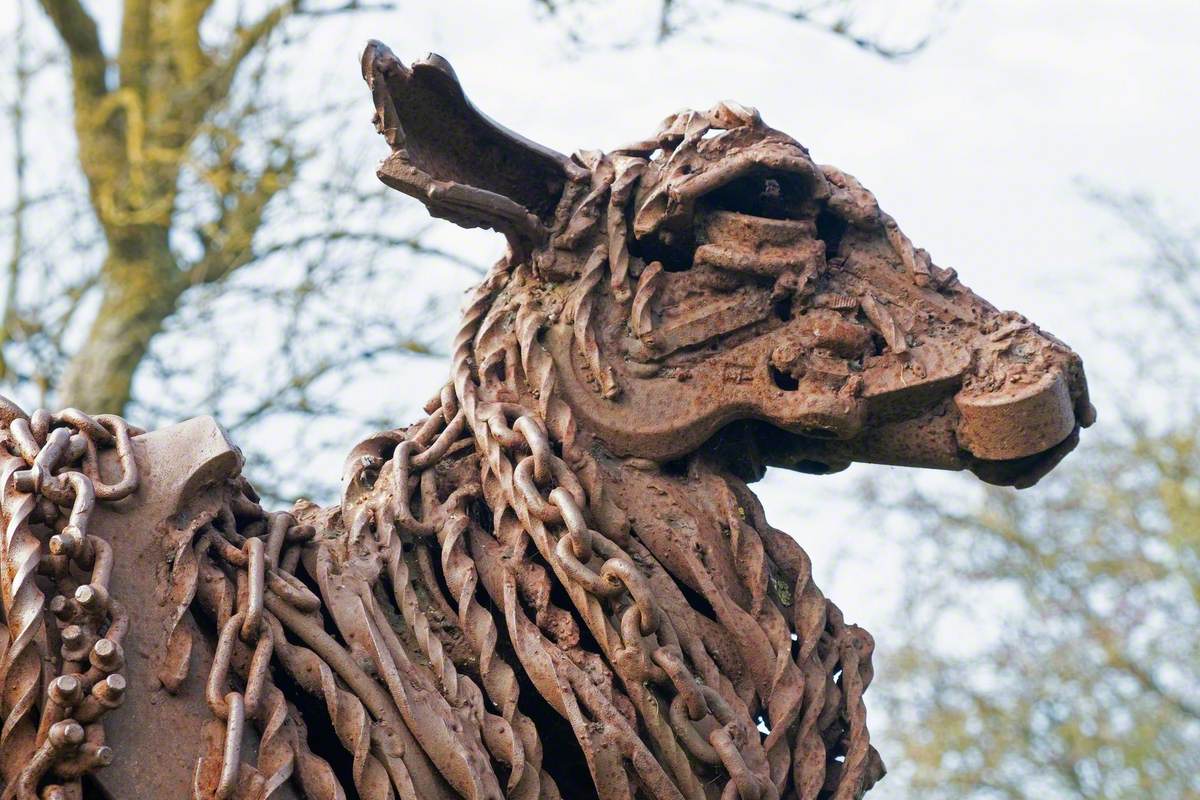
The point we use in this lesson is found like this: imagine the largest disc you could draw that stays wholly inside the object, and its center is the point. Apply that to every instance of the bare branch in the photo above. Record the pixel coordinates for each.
(134, 53)
(840, 27)
(411, 244)
(352, 7)
(292, 395)
(229, 242)
(245, 41)
(676, 17)
(248, 39)
(80, 35)
(183, 32)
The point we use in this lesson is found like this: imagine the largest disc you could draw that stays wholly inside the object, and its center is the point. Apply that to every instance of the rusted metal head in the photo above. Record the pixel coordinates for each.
(754, 299)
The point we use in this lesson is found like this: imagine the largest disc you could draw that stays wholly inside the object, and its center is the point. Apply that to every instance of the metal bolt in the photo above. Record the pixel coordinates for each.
(107, 655)
(67, 733)
(66, 690)
(63, 608)
(92, 598)
(98, 756)
(67, 542)
(111, 690)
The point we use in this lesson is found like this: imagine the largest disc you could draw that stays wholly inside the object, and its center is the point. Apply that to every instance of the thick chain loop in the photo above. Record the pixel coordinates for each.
(540, 507)
(723, 743)
(255, 578)
(690, 692)
(538, 442)
(121, 437)
(218, 676)
(278, 580)
(594, 583)
(497, 415)
(693, 703)
(578, 532)
(231, 753)
(401, 509)
(61, 457)
(639, 589)
(249, 625)
(431, 453)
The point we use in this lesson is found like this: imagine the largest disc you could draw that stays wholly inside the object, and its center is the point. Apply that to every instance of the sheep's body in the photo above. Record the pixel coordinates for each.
(558, 584)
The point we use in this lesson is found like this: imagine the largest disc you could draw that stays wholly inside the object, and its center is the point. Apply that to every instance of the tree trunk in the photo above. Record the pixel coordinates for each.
(141, 289)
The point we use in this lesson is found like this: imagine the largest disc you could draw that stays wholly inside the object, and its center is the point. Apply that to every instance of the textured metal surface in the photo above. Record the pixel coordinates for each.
(61, 660)
(186, 467)
(559, 583)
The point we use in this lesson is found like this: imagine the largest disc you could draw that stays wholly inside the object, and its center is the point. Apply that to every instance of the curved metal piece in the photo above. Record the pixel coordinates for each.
(559, 583)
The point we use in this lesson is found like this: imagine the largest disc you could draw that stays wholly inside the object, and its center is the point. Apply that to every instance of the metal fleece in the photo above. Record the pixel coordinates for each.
(558, 583)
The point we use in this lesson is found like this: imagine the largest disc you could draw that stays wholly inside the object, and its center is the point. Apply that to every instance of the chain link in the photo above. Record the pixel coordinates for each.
(620, 582)
(51, 479)
(255, 561)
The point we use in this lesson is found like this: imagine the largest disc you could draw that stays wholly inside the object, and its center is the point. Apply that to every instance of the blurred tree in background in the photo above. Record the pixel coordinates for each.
(183, 150)
(203, 202)
(1087, 684)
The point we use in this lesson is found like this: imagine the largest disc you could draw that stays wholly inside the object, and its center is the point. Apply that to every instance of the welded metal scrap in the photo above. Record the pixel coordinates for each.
(559, 583)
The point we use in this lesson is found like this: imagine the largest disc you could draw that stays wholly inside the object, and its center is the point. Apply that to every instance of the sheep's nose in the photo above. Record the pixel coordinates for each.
(1014, 420)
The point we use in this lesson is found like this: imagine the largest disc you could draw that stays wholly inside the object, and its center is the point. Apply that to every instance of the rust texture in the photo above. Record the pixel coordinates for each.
(559, 583)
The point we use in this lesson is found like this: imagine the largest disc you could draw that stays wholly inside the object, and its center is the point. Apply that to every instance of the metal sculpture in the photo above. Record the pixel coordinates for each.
(558, 584)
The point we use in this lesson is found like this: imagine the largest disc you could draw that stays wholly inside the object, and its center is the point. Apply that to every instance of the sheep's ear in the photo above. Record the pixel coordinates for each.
(463, 166)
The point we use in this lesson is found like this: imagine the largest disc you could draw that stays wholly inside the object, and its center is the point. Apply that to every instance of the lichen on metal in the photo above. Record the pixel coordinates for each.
(559, 583)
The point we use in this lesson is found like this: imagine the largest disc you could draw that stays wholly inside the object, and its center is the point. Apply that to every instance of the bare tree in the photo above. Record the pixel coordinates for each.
(871, 26)
(183, 154)
(192, 246)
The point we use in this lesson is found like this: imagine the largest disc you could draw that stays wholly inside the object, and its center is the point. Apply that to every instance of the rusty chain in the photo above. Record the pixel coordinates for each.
(61, 659)
(51, 481)
(249, 625)
(811, 708)
(51, 485)
(619, 578)
(499, 571)
(255, 557)
(58, 681)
